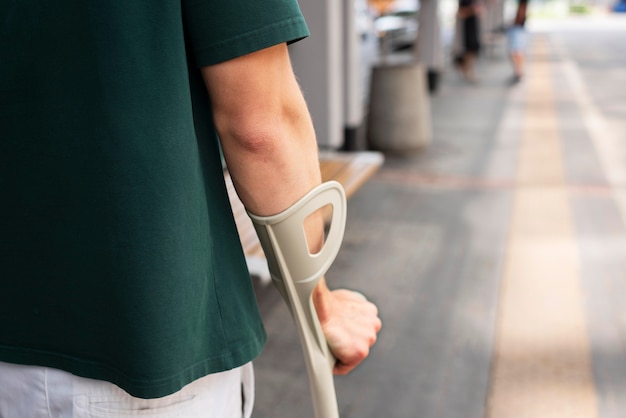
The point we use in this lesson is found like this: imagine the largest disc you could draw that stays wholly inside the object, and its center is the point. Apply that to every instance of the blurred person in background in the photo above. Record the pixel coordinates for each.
(517, 38)
(468, 14)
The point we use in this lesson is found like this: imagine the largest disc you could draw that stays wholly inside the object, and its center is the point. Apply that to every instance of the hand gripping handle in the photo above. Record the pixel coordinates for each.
(295, 272)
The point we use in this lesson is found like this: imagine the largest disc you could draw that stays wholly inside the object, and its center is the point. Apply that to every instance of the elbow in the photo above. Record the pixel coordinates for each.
(250, 135)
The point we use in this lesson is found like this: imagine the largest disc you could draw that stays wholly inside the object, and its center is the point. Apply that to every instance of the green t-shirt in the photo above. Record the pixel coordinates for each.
(119, 256)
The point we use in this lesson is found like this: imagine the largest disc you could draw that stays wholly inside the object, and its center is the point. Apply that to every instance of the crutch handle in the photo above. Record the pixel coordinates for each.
(296, 272)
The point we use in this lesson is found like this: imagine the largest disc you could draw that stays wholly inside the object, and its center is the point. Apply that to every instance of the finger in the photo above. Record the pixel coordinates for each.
(343, 369)
(359, 294)
(350, 293)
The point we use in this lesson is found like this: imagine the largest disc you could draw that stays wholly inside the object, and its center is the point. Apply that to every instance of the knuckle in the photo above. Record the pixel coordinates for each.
(362, 352)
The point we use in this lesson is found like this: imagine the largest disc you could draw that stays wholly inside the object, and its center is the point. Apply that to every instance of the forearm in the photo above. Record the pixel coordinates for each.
(275, 173)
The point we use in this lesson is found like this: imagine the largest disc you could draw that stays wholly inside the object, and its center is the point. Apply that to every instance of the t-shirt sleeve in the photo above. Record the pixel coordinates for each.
(221, 30)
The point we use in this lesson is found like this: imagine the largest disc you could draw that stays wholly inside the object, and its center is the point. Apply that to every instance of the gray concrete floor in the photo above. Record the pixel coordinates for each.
(427, 237)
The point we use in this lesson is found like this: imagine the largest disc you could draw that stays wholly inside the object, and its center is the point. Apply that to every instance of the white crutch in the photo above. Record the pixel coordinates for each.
(295, 272)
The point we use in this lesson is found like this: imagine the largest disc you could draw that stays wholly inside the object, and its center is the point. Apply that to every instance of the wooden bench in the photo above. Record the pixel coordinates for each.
(351, 169)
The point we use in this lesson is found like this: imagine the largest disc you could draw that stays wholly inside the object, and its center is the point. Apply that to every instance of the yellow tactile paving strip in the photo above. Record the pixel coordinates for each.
(542, 366)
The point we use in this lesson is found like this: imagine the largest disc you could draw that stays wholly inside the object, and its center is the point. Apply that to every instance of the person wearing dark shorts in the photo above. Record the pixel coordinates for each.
(469, 14)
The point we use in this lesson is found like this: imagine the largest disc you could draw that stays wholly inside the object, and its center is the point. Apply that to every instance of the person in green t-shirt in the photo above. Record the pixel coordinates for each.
(120, 264)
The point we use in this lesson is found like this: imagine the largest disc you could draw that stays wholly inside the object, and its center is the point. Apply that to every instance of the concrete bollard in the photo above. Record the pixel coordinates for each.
(399, 119)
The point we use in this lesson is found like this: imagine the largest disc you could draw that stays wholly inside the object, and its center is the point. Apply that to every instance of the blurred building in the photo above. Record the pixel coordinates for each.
(332, 66)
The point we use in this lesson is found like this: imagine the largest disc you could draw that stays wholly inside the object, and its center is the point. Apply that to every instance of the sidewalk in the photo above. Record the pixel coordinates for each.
(496, 257)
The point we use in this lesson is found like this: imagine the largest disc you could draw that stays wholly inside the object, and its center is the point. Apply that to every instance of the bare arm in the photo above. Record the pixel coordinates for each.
(270, 148)
(267, 137)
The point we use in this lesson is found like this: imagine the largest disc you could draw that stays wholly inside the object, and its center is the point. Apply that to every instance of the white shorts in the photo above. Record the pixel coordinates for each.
(38, 392)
